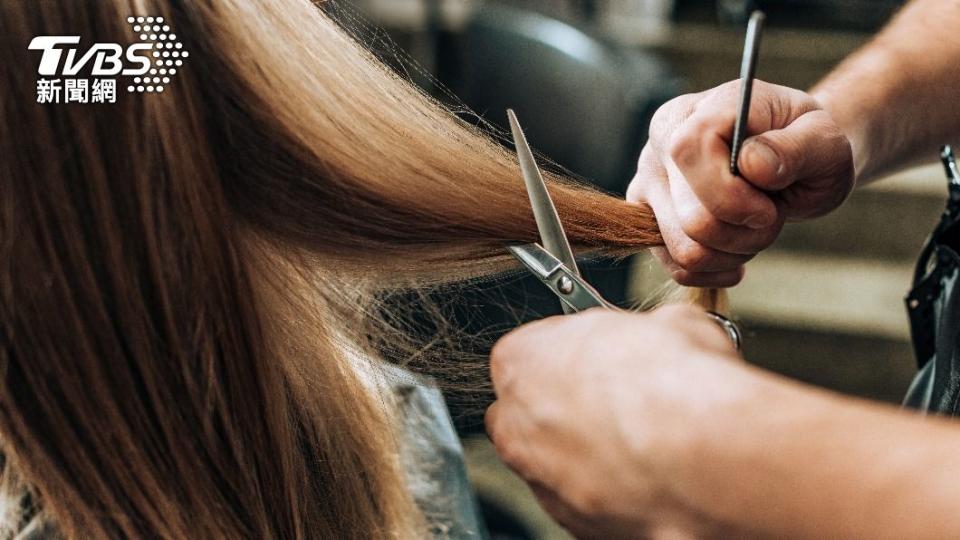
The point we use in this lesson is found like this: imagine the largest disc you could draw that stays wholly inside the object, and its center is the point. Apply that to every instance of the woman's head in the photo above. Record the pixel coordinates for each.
(182, 274)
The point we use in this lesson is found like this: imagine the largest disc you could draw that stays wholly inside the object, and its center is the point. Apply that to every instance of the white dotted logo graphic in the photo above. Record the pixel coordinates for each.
(167, 56)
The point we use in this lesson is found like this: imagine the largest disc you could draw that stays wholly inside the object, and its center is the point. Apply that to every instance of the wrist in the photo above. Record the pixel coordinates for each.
(853, 124)
(744, 467)
(721, 443)
(805, 463)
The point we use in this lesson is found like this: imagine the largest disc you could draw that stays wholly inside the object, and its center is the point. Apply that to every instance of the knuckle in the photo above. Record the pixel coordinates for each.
(684, 278)
(586, 500)
(691, 256)
(499, 352)
(686, 140)
(789, 104)
(513, 453)
(697, 222)
(665, 119)
(509, 453)
(682, 147)
(829, 128)
(514, 355)
(648, 162)
(760, 87)
(719, 97)
(659, 119)
(669, 111)
(727, 202)
(636, 192)
(800, 102)
(780, 108)
(839, 148)
(734, 278)
(500, 357)
(649, 172)
(730, 90)
(766, 238)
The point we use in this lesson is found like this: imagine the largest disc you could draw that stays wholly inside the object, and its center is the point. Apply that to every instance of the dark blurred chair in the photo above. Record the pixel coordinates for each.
(583, 102)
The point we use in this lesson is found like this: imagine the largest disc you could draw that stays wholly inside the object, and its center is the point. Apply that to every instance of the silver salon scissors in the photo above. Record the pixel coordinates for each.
(553, 262)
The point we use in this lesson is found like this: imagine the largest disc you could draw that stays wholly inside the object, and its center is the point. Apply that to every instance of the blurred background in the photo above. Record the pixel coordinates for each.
(823, 305)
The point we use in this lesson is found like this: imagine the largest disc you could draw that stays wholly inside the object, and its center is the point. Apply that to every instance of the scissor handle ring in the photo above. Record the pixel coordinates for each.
(728, 326)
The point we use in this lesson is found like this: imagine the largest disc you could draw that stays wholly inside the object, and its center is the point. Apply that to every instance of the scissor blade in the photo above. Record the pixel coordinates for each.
(552, 236)
(537, 259)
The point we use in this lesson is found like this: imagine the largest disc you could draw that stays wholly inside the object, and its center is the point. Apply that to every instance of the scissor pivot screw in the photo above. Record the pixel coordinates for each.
(565, 285)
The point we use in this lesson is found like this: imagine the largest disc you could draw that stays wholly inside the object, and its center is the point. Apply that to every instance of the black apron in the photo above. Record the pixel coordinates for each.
(933, 306)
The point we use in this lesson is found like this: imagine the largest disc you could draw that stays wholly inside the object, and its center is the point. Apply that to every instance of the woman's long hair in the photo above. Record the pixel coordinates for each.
(183, 323)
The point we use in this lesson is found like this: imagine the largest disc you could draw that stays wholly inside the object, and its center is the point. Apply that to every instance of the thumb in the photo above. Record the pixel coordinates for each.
(812, 147)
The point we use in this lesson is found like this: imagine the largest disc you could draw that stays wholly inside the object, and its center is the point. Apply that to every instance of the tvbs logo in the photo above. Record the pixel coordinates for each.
(151, 61)
(107, 58)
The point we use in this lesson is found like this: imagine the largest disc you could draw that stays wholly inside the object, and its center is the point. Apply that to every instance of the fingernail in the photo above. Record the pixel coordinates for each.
(766, 154)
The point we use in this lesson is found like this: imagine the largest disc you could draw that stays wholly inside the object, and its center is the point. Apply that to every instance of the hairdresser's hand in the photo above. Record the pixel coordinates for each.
(796, 164)
(602, 413)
